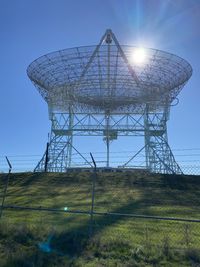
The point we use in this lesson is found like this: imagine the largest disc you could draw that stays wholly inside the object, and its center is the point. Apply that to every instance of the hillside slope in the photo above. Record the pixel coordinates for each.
(116, 239)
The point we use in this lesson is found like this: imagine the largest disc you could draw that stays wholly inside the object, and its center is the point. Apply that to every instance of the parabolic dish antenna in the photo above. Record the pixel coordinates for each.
(110, 80)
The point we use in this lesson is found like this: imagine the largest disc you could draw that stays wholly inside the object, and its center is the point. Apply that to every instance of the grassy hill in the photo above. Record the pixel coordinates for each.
(43, 238)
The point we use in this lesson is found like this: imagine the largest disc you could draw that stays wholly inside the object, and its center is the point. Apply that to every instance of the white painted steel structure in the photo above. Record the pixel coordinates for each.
(100, 91)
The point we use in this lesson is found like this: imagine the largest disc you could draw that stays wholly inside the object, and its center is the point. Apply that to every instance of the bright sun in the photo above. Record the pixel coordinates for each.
(139, 55)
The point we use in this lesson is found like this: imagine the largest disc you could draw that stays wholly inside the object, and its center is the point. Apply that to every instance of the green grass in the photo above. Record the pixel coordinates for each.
(117, 241)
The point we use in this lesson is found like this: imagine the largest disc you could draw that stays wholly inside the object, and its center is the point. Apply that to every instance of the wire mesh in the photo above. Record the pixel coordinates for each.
(104, 77)
(118, 196)
(187, 158)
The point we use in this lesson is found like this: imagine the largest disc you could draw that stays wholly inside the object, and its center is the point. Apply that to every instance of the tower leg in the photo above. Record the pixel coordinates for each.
(107, 138)
(60, 145)
(159, 157)
(108, 152)
(70, 140)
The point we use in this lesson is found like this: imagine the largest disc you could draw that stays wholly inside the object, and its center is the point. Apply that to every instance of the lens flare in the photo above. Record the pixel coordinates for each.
(139, 55)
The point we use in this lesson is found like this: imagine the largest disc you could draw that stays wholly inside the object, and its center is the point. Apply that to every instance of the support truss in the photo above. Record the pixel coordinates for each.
(159, 157)
(98, 91)
(152, 126)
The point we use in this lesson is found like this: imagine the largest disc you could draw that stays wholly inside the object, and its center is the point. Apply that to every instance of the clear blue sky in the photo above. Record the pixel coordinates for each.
(31, 28)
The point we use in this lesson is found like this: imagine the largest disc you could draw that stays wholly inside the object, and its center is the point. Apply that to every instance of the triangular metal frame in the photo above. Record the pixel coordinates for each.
(64, 131)
(108, 37)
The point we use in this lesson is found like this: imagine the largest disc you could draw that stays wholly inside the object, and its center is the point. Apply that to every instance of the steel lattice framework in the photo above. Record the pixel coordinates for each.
(99, 90)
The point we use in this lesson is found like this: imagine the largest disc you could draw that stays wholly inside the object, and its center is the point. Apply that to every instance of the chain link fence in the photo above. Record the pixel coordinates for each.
(150, 210)
(188, 159)
(139, 211)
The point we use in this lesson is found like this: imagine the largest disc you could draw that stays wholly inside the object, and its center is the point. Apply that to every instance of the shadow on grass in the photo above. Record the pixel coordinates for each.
(154, 189)
(73, 242)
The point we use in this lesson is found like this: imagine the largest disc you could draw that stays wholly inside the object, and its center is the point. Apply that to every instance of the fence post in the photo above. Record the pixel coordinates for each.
(93, 196)
(6, 186)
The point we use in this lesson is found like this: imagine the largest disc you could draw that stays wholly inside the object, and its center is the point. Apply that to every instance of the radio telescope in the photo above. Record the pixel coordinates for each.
(109, 90)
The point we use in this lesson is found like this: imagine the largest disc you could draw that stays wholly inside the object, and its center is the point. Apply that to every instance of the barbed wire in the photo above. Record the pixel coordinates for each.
(27, 162)
(98, 152)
